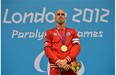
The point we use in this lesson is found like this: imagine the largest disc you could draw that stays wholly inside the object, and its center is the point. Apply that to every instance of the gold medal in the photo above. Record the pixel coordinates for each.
(64, 48)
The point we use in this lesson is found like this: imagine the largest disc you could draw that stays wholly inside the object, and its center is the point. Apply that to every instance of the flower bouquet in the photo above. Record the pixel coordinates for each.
(75, 66)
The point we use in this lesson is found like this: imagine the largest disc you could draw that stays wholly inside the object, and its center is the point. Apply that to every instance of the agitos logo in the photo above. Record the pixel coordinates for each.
(38, 68)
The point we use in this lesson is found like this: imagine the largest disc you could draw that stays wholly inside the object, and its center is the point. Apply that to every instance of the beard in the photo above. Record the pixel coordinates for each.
(60, 22)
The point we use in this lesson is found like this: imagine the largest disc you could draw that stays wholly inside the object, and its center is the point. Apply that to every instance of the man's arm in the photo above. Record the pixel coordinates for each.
(47, 48)
(75, 50)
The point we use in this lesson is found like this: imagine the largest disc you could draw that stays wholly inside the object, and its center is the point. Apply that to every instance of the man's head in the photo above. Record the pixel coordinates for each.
(60, 16)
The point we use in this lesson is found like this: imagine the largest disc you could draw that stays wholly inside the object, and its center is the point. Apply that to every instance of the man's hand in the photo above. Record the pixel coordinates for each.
(61, 63)
(66, 67)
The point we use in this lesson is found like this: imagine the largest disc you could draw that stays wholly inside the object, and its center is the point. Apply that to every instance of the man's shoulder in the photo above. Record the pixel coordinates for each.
(50, 30)
(71, 29)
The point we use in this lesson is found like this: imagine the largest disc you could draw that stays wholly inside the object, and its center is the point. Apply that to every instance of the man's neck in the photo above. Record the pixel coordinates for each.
(61, 26)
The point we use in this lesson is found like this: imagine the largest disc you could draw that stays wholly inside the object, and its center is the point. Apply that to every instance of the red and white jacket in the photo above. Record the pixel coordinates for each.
(53, 43)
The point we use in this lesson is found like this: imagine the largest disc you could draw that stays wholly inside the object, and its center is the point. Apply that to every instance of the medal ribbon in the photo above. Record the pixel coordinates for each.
(63, 39)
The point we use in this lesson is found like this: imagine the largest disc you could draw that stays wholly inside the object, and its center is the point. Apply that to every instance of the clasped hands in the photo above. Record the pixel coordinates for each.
(63, 64)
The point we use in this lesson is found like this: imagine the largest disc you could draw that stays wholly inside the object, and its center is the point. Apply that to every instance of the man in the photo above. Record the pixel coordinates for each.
(61, 46)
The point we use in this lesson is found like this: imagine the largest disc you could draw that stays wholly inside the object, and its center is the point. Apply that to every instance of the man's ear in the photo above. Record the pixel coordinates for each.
(54, 18)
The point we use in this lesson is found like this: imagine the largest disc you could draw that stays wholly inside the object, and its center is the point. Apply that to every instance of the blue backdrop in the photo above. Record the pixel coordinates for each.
(24, 23)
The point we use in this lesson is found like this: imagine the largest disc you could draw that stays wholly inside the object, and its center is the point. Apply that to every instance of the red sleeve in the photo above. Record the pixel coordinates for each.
(47, 47)
(75, 50)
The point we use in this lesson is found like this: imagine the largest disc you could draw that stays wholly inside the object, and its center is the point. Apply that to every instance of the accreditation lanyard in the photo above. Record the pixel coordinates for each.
(62, 39)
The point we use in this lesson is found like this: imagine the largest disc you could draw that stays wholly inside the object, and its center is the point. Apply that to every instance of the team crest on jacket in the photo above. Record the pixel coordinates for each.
(55, 34)
(68, 34)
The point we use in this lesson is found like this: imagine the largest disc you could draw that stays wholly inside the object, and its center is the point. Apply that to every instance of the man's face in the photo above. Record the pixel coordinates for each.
(60, 17)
